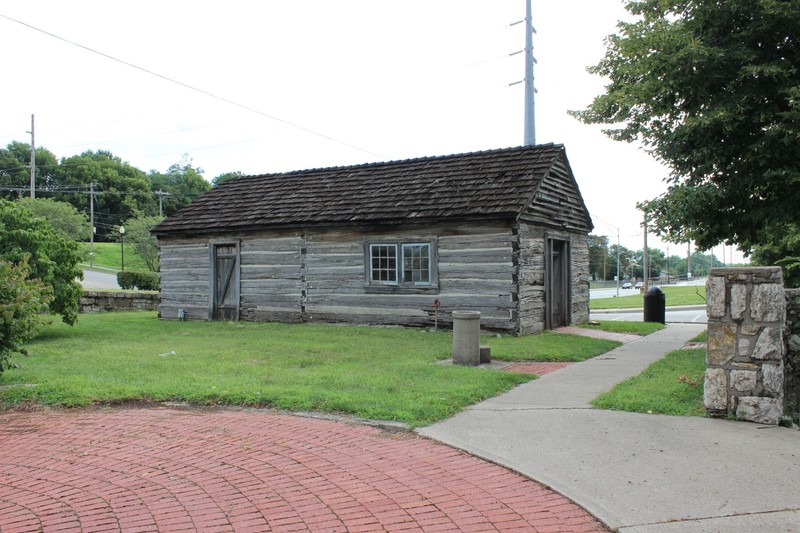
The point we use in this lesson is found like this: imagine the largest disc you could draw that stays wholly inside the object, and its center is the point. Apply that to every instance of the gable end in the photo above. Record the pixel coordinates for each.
(557, 201)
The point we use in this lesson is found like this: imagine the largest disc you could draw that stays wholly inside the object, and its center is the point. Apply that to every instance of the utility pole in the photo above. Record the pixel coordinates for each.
(33, 161)
(688, 260)
(91, 223)
(618, 275)
(161, 194)
(530, 112)
(645, 269)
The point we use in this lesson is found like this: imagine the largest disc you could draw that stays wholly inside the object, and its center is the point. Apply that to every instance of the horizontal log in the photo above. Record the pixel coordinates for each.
(482, 286)
(476, 256)
(267, 285)
(287, 272)
(271, 300)
(190, 312)
(264, 315)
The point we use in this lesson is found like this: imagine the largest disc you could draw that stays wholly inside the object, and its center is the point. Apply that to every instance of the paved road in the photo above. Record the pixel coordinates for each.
(99, 280)
(690, 314)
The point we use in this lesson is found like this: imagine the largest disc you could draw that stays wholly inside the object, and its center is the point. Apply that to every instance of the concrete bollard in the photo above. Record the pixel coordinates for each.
(466, 338)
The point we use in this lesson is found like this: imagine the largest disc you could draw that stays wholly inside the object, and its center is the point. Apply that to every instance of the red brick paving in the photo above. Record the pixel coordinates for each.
(162, 469)
(540, 369)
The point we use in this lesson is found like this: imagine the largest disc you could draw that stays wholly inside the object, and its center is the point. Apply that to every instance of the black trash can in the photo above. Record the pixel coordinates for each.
(655, 306)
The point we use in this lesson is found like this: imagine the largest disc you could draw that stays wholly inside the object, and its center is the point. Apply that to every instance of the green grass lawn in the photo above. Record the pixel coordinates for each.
(378, 373)
(684, 295)
(547, 346)
(108, 255)
(671, 386)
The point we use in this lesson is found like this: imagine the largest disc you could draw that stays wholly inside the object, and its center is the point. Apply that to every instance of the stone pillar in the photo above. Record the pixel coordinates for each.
(745, 358)
(466, 337)
(792, 359)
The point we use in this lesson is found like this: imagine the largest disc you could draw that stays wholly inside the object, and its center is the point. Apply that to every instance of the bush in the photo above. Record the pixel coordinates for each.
(51, 258)
(144, 281)
(22, 302)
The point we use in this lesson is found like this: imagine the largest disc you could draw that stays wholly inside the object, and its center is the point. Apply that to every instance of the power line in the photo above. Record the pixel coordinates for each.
(193, 88)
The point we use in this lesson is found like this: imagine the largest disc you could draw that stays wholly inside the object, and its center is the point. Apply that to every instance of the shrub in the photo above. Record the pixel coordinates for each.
(144, 281)
(22, 302)
(51, 258)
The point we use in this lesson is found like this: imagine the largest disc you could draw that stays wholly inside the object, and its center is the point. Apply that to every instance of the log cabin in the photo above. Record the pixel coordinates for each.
(503, 232)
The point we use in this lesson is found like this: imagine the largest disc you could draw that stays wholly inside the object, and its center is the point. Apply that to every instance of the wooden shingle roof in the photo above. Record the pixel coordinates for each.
(494, 183)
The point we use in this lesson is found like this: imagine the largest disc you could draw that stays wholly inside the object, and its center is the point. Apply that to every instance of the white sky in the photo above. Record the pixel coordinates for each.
(384, 80)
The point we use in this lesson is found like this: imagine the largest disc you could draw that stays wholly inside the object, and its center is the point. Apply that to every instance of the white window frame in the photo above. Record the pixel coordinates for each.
(402, 264)
(371, 270)
(401, 253)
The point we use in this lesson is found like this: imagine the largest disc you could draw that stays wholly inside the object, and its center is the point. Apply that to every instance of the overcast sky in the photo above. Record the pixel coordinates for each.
(271, 86)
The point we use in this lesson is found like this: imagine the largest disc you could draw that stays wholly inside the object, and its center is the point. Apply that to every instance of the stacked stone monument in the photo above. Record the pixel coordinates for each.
(745, 359)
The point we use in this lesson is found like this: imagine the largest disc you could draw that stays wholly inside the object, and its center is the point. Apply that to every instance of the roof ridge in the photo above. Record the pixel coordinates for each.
(398, 161)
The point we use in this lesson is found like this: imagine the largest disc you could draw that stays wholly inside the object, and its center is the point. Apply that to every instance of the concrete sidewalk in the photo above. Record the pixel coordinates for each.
(637, 473)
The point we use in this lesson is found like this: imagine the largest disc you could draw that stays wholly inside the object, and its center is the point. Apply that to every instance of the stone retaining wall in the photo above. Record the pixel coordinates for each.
(95, 301)
(745, 357)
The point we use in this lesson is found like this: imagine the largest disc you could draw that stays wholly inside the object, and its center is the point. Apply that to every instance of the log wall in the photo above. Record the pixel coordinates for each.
(310, 275)
(185, 271)
(320, 275)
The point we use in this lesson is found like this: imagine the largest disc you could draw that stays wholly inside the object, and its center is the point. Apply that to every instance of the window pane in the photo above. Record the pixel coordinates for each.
(383, 263)
(416, 263)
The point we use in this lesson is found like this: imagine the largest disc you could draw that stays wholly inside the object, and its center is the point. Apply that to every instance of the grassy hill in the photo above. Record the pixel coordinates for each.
(108, 256)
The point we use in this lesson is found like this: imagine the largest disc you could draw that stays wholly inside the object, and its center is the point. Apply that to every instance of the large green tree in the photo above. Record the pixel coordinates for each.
(626, 257)
(222, 178)
(598, 250)
(15, 170)
(784, 251)
(52, 258)
(712, 89)
(64, 218)
(184, 183)
(122, 190)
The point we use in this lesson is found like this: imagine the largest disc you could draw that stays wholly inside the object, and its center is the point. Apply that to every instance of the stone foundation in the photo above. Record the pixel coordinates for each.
(118, 301)
(745, 357)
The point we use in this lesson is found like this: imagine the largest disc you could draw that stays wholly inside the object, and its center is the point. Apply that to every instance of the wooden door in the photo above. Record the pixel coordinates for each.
(558, 286)
(225, 282)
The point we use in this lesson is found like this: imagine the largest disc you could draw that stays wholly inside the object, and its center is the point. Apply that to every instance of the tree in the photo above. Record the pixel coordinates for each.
(184, 182)
(784, 251)
(222, 178)
(656, 263)
(138, 234)
(22, 302)
(598, 250)
(15, 170)
(712, 89)
(625, 260)
(52, 258)
(63, 217)
(123, 190)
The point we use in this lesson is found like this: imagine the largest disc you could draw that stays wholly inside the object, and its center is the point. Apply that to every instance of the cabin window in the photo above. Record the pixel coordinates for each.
(400, 264)
(383, 258)
(417, 264)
